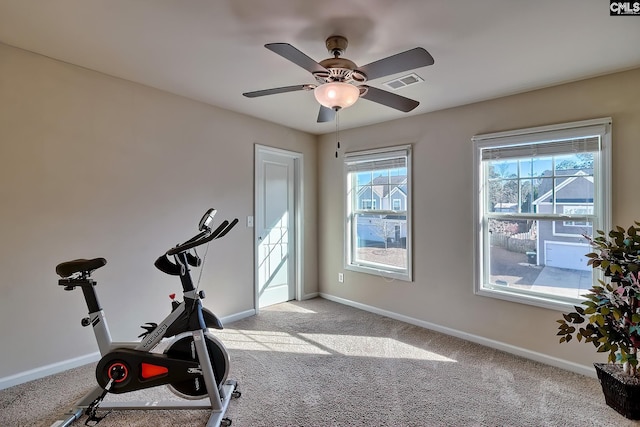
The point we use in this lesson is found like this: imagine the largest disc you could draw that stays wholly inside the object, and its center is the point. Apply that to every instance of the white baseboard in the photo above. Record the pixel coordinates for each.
(508, 348)
(238, 316)
(54, 368)
(43, 371)
(310, 296)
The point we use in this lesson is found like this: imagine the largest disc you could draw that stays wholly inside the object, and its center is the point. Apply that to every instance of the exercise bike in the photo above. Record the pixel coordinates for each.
(194, 365)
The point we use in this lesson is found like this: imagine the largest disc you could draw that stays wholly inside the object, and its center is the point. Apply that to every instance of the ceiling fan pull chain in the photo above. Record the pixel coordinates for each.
(337, 132)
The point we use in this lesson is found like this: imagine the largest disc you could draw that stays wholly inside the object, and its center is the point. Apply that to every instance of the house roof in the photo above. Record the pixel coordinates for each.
(577, 175)
(384, 185)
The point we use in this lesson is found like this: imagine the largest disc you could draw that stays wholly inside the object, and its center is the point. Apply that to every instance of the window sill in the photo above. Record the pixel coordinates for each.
(535, 300)
(386, 274)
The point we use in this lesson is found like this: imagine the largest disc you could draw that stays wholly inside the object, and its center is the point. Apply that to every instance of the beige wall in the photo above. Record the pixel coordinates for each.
(94, 166)
(443, 256)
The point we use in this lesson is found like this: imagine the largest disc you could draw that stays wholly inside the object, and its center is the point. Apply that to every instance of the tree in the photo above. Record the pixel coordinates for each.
(384, 229)
(502, 190)
(581, 161)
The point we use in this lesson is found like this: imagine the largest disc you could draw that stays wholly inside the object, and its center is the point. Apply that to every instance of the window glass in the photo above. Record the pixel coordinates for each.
(378, 239)
(539, 193)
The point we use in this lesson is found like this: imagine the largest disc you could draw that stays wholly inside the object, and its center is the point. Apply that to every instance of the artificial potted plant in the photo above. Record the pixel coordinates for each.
(610, 317)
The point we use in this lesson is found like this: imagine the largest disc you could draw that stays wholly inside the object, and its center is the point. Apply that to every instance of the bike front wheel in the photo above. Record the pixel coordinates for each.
(183, 347)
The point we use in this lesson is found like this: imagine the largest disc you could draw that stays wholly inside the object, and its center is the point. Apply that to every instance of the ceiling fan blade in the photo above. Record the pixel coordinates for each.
(294, 55)
(326, 114)
(389, 99)
(273, 91)
(409, 60)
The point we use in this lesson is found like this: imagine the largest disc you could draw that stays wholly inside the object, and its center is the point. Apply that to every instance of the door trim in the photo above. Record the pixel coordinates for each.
(298, 221)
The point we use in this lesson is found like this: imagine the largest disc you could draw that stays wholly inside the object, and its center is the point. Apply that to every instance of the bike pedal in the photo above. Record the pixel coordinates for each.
(148, 327)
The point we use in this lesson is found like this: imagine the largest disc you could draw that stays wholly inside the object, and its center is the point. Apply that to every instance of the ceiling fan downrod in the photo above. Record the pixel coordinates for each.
(337, 45)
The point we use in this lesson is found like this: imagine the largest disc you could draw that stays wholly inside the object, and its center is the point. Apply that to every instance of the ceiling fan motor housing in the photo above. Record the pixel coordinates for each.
(336, 45)
(338, 69)
(339, 74)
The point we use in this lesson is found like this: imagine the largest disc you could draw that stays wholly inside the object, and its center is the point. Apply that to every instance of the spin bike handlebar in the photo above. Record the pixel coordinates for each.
(180, 252)
(204, 237)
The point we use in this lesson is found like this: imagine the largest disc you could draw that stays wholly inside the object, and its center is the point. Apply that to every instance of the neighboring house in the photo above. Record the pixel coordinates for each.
(383, 193)
(560, 243)
(387, 193)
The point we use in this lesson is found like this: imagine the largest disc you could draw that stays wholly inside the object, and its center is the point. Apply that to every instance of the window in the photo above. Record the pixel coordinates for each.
(537, 193)
(378, 229)
(368, 204)
(577, 210)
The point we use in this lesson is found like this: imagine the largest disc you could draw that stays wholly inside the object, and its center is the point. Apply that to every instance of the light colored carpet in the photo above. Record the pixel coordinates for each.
(319, 363)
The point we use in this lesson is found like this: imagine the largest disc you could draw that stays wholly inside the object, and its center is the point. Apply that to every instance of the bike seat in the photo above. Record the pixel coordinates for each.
(68, 268)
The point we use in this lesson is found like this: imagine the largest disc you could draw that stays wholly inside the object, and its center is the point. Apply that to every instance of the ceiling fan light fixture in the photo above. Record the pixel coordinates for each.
(336, 95)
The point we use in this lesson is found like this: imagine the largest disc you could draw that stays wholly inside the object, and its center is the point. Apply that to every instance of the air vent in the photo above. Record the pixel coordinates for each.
(404, 81)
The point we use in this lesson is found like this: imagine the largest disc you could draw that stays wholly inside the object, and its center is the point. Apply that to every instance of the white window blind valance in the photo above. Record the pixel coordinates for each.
(539, 149)
(577, 137)
(371, 161)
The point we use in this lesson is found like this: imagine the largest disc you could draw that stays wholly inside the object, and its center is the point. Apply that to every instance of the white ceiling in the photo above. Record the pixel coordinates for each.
(213, 50)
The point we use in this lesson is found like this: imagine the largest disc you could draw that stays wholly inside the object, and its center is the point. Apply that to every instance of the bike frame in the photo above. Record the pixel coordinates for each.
(194, 322)
(101, 331)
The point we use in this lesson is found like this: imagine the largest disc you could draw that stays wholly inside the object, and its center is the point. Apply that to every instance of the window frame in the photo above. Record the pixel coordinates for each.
(389, 272)
(602, 195)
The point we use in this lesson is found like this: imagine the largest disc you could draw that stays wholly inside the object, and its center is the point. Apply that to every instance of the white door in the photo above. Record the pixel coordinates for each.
(275, 226)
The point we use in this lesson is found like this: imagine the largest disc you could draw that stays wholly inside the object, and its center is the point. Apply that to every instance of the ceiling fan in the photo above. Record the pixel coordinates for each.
(341, 81)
